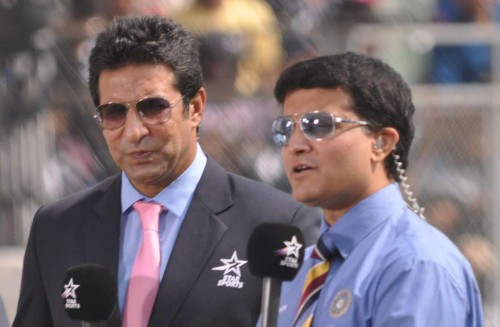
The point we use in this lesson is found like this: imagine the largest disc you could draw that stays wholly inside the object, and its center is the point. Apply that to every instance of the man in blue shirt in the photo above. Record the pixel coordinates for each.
(345, 134)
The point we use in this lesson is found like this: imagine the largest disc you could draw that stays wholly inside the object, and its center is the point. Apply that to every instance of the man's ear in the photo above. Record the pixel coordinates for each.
(384, 141)
(197, 107)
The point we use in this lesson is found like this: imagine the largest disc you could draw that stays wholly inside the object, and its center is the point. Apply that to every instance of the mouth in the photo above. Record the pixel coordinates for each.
(141, 155)
(299, 169)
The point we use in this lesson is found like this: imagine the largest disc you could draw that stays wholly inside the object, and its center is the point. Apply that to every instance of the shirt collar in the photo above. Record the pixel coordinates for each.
(362, 219)
(175, 196)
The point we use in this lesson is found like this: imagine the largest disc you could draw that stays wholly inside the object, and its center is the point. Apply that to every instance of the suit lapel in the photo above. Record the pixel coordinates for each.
(102, 233)
(200, 233)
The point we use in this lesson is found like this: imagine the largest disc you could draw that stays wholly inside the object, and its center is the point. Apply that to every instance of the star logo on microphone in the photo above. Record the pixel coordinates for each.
(69, 296)
(232, 273)
(69, 290)
(291, 253)
(292, 248)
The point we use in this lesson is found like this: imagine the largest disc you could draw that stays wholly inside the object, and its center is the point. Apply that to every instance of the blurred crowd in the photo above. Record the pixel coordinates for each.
(244, 44)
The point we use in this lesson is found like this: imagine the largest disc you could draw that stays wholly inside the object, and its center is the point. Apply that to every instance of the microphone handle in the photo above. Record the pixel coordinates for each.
(271, 290)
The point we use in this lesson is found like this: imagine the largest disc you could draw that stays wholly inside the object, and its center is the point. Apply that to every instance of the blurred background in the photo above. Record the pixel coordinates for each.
(448, 50)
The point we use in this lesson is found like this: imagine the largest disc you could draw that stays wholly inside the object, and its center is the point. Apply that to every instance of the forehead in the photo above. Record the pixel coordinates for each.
(335, 101)
(135, 81)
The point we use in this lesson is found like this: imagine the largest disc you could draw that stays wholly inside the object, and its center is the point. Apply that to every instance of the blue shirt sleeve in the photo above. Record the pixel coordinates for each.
(422, 293)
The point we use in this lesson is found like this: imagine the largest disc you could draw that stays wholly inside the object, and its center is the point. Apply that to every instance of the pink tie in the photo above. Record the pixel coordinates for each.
(145, 276)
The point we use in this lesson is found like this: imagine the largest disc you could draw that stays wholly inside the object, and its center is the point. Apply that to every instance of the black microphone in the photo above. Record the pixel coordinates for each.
(89, 293)
(275, 252)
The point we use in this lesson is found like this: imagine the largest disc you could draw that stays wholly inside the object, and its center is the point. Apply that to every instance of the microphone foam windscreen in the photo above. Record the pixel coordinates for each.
(89, 292)
(275, 250)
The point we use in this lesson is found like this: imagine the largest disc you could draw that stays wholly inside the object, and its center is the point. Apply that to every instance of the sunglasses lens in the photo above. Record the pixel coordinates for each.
(282, 130)
(154, 110)
(317, 125)
(112, 115)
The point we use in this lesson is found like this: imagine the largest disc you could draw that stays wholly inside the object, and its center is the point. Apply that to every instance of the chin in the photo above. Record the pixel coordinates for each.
(306, 198)
(142, 175)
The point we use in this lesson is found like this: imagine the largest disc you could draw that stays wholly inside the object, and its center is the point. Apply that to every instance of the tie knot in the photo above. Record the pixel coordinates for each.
(322, 252)
(149, 213)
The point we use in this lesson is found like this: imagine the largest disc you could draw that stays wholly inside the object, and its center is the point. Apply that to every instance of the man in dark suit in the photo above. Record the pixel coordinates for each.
(145, 80)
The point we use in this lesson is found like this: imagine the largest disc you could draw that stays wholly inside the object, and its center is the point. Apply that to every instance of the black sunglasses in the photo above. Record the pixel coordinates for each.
(314, 125)
(153, 110)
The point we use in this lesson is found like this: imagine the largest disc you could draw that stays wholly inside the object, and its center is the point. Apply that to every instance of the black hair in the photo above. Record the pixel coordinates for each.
(147, 40)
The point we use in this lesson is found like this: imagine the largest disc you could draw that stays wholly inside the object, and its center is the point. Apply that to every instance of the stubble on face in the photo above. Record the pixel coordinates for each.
(152, 156)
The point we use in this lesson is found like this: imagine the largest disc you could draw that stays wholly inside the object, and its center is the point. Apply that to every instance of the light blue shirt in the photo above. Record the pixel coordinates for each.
(176, 197)
(395, 270)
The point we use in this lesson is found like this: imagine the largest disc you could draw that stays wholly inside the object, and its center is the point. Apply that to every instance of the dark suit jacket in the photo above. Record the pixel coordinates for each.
(3, 315)
(85, 228)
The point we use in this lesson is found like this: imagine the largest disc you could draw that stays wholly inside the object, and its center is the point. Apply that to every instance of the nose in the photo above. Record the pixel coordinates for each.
(298, 142)
(134, 127)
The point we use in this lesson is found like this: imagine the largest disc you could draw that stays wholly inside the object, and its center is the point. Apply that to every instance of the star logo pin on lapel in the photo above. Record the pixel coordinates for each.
(232, 272)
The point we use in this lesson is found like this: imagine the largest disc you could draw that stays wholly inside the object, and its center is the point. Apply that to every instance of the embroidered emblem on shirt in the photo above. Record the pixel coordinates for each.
(291, 251)
(232, 273)
(340, 303)
(70, 296)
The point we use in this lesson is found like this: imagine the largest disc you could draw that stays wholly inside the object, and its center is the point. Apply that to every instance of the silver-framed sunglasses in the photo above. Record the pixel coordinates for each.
(152, 110)
(315, 126)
